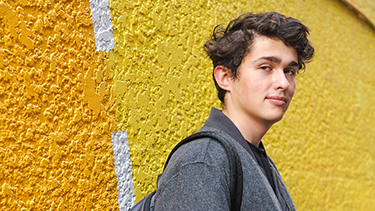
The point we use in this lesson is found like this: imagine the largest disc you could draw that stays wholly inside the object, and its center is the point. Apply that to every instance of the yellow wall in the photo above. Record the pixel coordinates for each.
(60, 100)
(56, 109)
(324, 148)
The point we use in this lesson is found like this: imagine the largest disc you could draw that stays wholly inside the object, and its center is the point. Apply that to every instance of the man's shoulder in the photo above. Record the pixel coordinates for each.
(201, 150)
(206, 151)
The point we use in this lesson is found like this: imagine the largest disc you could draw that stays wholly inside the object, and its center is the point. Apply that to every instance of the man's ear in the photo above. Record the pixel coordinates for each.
(223, 77)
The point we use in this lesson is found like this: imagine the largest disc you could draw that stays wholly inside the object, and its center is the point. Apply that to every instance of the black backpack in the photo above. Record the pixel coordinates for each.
(147, 203)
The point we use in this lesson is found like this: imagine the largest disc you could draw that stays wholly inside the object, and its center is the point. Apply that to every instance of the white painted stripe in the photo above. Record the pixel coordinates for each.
(101, 16)
(123, 170)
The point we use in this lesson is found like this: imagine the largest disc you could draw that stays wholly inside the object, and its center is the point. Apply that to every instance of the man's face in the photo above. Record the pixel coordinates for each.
(265, 83)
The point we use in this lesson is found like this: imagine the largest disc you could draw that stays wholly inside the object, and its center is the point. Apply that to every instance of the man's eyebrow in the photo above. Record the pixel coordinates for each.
(293, 64)
(269, 58)
(276, 60)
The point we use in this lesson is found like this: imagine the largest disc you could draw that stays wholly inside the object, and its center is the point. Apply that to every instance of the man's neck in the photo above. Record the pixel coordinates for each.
(252, 130)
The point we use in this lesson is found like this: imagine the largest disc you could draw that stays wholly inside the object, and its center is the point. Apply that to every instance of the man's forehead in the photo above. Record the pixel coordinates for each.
(272, 49)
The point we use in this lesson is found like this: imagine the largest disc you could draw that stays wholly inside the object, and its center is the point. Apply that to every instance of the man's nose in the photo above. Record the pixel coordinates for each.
(280, 80)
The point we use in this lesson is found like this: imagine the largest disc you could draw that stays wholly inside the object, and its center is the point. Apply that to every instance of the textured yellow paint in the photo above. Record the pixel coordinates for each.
(56, 109)
(325, 146)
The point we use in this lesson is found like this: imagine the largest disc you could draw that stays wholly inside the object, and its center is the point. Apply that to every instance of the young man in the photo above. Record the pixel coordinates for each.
(256, 59)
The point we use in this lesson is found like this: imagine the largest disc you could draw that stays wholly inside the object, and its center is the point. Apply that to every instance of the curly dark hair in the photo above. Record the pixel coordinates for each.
(229, 46)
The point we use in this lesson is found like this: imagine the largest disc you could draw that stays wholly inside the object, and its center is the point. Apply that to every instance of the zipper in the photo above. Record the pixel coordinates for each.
(283, 196)
(278, 184)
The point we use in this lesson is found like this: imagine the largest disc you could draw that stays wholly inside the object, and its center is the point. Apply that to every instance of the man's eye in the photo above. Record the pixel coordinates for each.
(266, 68)
(290, 72)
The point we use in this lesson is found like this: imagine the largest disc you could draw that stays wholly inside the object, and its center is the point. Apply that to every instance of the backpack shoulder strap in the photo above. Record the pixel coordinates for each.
(236, 176)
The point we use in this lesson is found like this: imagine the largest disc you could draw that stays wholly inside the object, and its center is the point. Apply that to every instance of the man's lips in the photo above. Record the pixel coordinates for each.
(277, 100)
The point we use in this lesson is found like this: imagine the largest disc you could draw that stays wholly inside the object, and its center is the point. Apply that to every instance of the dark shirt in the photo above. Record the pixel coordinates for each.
(221, 122)
(262, 159)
